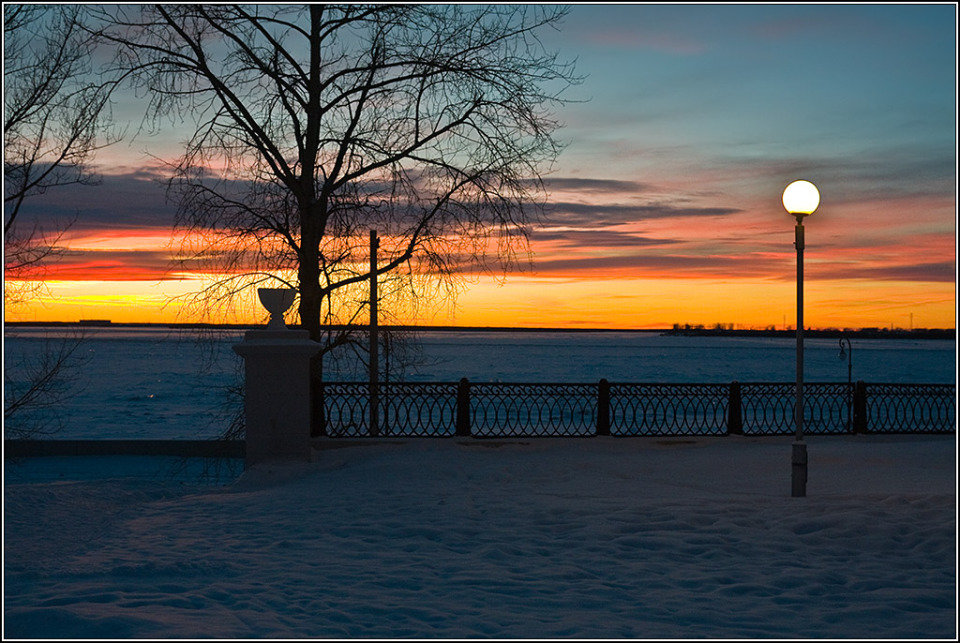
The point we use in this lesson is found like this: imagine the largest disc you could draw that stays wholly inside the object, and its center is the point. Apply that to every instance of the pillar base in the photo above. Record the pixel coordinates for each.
(277, 394)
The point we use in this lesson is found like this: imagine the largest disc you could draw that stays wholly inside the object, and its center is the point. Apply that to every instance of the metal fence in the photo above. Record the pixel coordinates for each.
(669, 409)
(430, 409)
(768, 409)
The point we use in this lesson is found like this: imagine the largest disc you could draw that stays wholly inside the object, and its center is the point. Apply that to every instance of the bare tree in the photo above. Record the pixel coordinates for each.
(312, 124)
(36, 383)
(53, 122)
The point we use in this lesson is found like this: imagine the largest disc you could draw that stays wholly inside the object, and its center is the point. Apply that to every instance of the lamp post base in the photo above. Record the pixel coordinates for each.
(799, 472)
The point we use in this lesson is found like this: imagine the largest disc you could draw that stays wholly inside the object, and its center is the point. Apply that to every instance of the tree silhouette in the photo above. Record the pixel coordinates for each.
(54, 115)
(310, 125)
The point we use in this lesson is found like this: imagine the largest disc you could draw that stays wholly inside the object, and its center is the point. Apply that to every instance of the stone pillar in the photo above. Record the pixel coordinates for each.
(277, 394)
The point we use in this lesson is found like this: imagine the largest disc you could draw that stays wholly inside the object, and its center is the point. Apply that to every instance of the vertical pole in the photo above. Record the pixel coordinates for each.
(798, 409)
(603, 408)
(799, 455)
(374, 339)
(384, 397)
(463, 408)
(386, 357)
(860, 407)
(735, 411)
(849, 363)
(318, 421)
(849, 385)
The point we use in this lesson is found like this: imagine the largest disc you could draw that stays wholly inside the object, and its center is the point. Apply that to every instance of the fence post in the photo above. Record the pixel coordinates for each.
(318, 417)
(735, 410)
(860, 407)
(603, 407)
(463, 407)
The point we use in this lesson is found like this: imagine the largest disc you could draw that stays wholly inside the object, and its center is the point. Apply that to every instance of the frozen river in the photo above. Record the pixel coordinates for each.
(158, 383)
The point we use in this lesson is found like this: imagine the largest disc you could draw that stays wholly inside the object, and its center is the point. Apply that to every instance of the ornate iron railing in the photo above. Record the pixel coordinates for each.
(668, 409)
(913, 408)
(768, 408)
(421, 409)
(426, 409)
(546, 410)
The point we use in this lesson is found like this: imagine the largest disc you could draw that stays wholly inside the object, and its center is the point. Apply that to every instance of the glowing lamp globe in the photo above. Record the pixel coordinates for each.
(801, 198)
(276, 301)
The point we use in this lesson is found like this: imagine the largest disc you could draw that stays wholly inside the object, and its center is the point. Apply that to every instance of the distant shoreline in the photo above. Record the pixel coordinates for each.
(864, 333)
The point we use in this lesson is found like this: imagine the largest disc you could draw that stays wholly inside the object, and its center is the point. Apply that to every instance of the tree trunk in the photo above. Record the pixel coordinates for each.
(308, 276)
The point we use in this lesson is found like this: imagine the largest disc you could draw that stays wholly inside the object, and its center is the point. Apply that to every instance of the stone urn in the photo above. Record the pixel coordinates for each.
(276, 301)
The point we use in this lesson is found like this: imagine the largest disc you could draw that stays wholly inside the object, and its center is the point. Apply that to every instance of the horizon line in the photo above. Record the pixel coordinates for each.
(685, 329)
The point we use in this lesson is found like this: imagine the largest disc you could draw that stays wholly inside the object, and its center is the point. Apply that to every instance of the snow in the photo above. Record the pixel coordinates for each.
(543, 538)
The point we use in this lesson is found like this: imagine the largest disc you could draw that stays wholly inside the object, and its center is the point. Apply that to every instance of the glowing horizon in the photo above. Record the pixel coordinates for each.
(615, 304)
(671, 268)
(665, 206)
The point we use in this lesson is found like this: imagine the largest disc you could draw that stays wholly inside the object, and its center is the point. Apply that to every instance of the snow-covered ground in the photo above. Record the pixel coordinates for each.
(600, 537)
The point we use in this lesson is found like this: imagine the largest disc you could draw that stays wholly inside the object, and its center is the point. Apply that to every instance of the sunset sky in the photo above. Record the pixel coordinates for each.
(665, 204)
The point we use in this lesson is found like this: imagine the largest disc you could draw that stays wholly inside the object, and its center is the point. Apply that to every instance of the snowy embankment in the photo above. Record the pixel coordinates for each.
(599, 537)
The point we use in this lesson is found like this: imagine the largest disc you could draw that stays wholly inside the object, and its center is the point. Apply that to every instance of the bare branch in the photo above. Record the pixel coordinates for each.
(313, 124)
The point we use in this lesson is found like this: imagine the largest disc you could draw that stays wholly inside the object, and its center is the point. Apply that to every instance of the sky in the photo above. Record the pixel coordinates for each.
(664, 205)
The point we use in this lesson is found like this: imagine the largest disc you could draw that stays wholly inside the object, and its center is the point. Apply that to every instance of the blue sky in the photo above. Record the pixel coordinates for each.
(757, 74)
(747, 82)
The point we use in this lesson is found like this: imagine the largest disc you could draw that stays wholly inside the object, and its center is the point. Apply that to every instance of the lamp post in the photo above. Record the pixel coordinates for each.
(847, 352)
(800, 199)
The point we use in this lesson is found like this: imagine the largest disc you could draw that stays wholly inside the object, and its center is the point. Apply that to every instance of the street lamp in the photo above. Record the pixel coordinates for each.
(847, 353)
(800, 199)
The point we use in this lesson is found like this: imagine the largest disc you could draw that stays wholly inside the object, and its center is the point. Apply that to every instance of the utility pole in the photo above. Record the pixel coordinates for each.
(374, 339)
